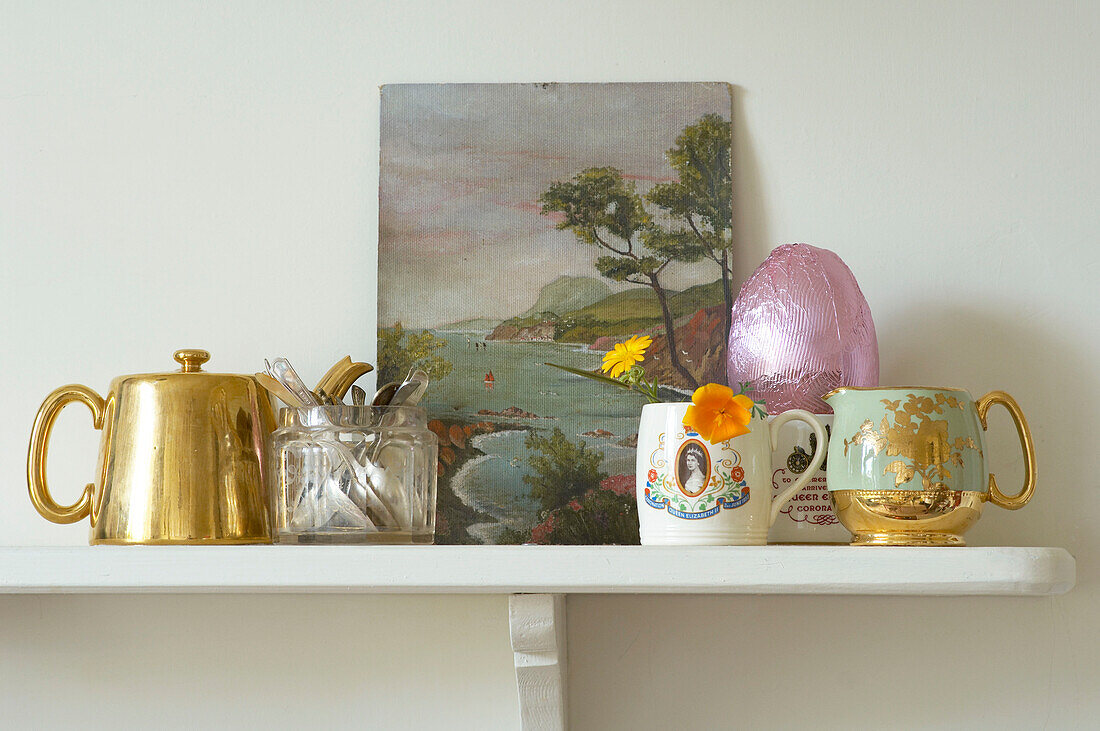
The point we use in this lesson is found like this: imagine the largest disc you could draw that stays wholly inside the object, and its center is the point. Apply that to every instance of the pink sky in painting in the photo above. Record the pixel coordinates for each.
(463, 165)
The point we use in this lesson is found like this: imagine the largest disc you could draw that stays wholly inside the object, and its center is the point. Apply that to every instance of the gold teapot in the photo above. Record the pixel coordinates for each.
(181, 459)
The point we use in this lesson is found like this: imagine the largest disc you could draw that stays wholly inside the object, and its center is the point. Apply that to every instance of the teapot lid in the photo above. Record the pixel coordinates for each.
(190, 377)
(191, 362)
(191, 359)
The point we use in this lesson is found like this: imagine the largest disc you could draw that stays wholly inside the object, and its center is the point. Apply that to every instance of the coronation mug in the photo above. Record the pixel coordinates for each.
(693, 492)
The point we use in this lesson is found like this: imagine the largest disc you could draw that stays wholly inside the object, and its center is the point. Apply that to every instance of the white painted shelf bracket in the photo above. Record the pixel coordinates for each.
(536, 623)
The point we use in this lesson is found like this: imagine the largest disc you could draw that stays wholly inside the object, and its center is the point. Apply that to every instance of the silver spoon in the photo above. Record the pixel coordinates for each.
(384, 395)
(408, 393)
(281, 370)
(412, 390)
(388, 488)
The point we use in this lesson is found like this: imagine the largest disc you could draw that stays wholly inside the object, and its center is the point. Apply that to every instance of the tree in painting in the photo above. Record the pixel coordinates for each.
(578, 503)
(563, 470)
(702, 198)
(602, 209)
(400, 351)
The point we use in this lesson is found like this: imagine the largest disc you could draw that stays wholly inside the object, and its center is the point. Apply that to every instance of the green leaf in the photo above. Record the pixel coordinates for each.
(594, 376)
(648, 393)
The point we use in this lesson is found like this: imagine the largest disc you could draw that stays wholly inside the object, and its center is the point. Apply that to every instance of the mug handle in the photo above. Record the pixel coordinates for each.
(36, 455)
(819, 456)
(996, 497)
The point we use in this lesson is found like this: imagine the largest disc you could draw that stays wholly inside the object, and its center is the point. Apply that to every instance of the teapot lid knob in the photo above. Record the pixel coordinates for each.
(191, 359)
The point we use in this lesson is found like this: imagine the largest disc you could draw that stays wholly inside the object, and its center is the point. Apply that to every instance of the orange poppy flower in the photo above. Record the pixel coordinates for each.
(718, 414)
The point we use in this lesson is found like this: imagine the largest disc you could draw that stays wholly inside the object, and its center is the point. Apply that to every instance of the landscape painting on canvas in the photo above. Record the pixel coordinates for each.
(521, 224)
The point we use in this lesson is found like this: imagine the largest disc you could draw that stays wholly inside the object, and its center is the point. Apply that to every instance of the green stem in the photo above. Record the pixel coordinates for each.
(650, 392)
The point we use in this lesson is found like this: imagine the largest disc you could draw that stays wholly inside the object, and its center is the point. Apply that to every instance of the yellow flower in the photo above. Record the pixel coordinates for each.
(623, 357)
(717, 414)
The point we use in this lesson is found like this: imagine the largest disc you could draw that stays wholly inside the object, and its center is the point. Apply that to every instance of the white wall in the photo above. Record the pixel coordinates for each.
(177, 174)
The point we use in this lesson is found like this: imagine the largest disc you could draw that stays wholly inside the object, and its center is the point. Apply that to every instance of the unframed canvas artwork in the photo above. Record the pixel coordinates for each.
(522, 224)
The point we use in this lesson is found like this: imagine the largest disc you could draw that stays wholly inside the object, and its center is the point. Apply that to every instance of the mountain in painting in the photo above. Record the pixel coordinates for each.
(566, 294)
(477, 324)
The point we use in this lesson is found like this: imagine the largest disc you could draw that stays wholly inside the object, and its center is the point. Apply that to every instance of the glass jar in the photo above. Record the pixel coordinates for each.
(353, 474)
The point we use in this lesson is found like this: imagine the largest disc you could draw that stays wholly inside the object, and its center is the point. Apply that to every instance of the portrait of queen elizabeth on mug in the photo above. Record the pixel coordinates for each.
(692, 469)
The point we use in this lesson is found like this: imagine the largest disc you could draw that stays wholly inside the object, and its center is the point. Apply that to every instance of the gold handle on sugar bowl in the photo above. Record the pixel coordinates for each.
(997, 497)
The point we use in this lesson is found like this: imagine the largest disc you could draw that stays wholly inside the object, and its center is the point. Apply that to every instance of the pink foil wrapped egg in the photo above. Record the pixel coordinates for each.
(800, 328)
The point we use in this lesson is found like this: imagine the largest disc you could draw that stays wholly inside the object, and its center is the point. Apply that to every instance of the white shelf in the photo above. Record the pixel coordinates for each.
(538, 578)
(539, 570)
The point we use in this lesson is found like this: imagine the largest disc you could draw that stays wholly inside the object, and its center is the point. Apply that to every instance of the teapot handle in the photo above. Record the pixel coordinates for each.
(36, 455)
(815, 463)
(997, 497)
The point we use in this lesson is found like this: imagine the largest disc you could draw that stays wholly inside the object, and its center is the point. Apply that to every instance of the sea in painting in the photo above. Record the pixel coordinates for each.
(527, 224)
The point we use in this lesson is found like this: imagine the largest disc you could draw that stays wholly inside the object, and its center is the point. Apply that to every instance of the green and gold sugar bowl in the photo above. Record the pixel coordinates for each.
(907, 465)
